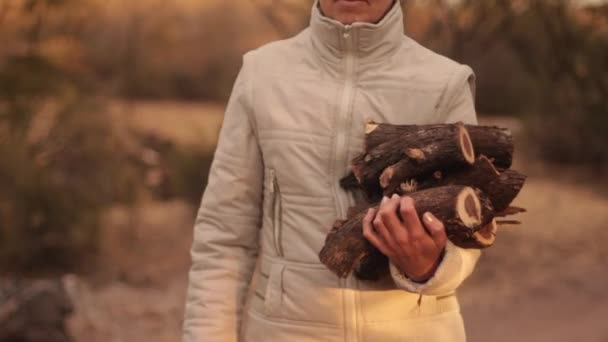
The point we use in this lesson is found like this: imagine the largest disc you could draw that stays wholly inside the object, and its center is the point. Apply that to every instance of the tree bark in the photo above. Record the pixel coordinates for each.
(432, 164)
(373, 266)
(414, 153)
(483, 238)
(463, 211)
(500, 187)
(494, 142)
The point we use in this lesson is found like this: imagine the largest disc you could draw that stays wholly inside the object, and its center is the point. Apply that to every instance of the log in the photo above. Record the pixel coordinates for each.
(373, 266)
(462, 209)
(481, 239)
(349, 182)
(413, 154)
(494, 142)
(500, 187)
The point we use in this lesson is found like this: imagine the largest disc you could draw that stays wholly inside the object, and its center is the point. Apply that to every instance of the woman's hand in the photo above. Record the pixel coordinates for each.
(416, 251)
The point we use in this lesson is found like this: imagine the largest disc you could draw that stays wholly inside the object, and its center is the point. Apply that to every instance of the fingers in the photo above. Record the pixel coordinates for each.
(387, 223)
(388, 213)
(400, 238)
(399, 233)
(370, 235)
(410, 218)
(436, 229)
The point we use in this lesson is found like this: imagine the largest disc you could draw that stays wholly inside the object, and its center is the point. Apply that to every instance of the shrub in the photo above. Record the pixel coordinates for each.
(60, 165)
(568, 58)
(543, 59)
(171, 171)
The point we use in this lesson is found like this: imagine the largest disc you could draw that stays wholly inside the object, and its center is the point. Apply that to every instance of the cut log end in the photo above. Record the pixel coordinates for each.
(415, 153)
(370, 127)
(357, 172)
(468, 207)
(386, 176)
(409, 186)
(466, 145)
(486, 236)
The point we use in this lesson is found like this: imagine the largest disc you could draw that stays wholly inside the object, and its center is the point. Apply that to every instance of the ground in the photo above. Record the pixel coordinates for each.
(543, 281)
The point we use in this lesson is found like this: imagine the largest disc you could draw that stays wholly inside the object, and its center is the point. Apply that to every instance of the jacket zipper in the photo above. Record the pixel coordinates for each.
(276, 213)
(341, 162)
(344, 115)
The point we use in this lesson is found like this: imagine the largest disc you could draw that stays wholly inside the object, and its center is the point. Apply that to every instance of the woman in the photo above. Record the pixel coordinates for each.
(295, 119)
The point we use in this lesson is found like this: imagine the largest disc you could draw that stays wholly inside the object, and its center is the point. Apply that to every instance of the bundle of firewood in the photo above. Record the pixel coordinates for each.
(460, 173)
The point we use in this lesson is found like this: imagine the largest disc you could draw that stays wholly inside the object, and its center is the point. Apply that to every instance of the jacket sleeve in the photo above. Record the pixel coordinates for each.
(226, 228)
(457, 263)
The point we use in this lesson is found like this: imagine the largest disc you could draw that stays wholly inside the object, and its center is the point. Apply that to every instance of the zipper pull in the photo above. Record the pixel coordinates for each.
(346, 33)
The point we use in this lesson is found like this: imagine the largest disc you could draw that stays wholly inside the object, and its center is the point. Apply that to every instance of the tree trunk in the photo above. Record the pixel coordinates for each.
(462, 210)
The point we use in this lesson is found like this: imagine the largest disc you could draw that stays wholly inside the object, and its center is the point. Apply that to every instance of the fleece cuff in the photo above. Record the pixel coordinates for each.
(446, 272)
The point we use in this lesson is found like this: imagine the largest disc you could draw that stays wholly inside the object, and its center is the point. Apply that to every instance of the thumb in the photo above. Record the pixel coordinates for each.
(436, 229)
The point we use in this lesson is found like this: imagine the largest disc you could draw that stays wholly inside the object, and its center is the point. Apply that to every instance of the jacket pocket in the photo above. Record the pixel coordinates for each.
(299, 294)
(277, 225)
(273, 297)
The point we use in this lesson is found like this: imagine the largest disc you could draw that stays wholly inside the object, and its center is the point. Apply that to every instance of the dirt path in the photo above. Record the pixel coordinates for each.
(545, 280)
(139, 294)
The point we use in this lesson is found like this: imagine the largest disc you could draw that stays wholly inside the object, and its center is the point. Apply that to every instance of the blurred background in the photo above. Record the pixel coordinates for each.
(109, 114)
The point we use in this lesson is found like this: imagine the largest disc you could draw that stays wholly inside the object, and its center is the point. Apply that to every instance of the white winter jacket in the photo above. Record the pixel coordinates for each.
(295, 119)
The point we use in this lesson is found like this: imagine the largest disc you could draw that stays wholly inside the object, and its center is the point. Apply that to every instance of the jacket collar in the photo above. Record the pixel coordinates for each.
(370, 42)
